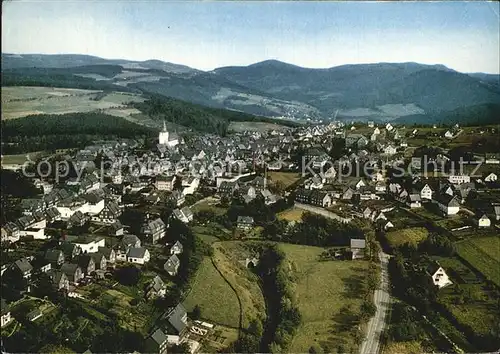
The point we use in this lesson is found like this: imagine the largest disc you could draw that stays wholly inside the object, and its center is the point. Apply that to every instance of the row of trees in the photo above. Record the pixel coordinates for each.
(314, 230)
(284, 317)
(51, 131)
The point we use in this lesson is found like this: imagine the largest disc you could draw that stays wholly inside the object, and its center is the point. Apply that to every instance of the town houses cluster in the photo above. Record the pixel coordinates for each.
(178, 171)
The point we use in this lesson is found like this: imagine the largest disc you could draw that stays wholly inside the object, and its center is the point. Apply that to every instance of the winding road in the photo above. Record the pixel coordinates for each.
(376, 325)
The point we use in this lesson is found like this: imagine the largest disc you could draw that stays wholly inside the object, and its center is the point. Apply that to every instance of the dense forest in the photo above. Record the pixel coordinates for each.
(200, 118)
(51, 131)
(60, 77)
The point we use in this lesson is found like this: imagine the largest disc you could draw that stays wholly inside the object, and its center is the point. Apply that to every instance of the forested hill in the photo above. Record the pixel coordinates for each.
(53, 131)
(59, 131)
(199, 118)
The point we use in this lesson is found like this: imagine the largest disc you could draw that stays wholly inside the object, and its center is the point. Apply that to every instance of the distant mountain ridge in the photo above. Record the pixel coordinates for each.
(380, 92)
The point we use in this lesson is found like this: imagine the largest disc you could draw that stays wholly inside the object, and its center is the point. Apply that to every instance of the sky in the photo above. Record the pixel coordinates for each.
(461, 35)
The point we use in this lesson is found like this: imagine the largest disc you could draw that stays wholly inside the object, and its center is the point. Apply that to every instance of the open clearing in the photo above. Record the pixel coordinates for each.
(292, 214)
(216, 299)
(255, 126)
(22, 101)
(412, 236)
(229, 256)
(483, 254)
(329, 295)
(287, 178)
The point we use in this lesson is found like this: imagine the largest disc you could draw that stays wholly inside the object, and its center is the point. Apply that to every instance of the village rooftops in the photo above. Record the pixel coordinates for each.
(83, 239)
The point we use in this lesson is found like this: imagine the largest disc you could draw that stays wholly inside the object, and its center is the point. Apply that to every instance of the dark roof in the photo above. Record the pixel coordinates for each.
(23, 265)
(172, 263)
(69, 268)
(4, 306)
(448, 200)
(136, 252)
(245, 219)
(158, 337)
(53, 255)
(176, 316)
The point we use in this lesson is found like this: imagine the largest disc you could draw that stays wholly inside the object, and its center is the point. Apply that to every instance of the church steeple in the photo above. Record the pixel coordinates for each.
(164, 126)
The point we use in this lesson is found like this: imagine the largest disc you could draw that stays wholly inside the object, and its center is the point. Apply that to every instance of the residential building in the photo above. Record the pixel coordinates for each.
(484, 221)
(172, 264)
(357, 247)
(73, 272)
(154, 230)
(138, 255)
(245, 222)
(448, 204)
(6, 317)
(156, 343)
(177, 248)
(438, 275)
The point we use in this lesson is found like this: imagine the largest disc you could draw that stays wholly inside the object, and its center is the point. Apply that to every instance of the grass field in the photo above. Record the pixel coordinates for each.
(413, 236)
(208, 205)
(413, 347)
(482, 254)
(287, 178)
(292, 214)
(255, 126)
(228, 257)
(329, 295)
(216, 299)
(18, 159)
(21, 101)
(479, 311)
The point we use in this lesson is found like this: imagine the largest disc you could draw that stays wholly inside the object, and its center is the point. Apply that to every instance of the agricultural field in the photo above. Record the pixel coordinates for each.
(255, 127)
(483, 255)
(287, 178)
(413, 236)
(21, 101)
(19, 159)
(292, 214)
(217, 300)
(329, 296)
(477, 309)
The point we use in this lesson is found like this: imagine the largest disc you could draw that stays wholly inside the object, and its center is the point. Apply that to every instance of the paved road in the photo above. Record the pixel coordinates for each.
(382, 299)
(322, 211)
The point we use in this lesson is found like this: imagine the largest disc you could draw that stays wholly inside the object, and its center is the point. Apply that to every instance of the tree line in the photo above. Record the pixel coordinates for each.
(52, 131)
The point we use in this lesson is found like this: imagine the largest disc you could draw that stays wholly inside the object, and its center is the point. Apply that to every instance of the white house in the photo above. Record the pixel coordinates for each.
(87, 244)
(426, 192)
(389, 150)
(459, 179)
(6, 318)
(484, 221)
(190, 185)
(413, 201)
(439, 276)
(448, 204)
(492, 177)
(448, 134)
(389, 127)
(360, 183)
(138, 255)
(177, 248)
(37, 234)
